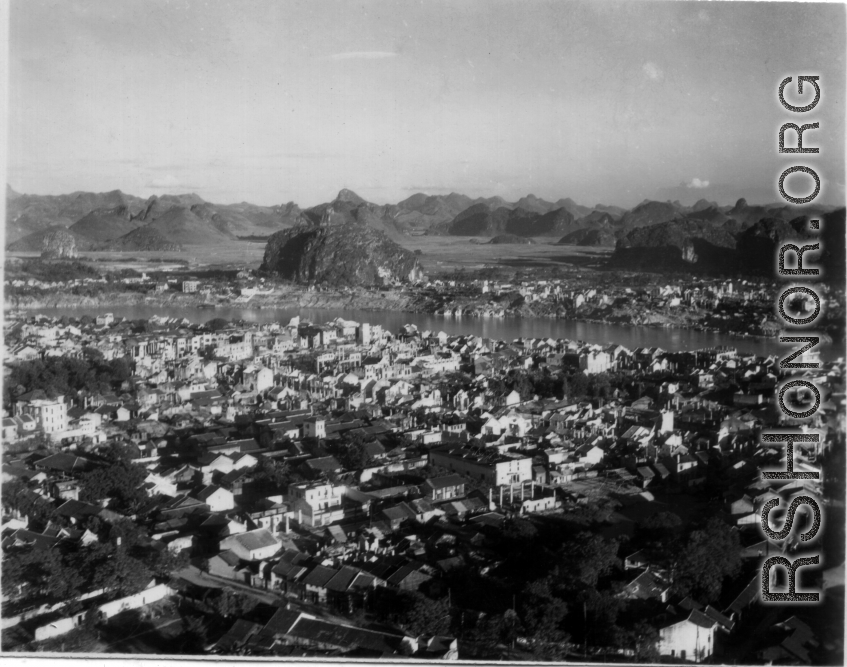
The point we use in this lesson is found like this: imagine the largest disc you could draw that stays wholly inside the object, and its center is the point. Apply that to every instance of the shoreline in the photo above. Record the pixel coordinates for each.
(358, 300)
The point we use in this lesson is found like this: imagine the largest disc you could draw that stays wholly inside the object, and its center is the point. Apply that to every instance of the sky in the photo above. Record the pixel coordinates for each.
(270, 101)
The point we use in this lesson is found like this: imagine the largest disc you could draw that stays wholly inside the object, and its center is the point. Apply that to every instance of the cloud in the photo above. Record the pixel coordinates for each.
(361, 55)
(652, 71)
(697, 184)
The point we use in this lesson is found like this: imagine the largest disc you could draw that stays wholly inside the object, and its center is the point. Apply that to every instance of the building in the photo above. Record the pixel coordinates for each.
(51, 414)
(488, 466)
(253, 545)
(218, 499)
(444, 488)
(317, 504)
(190, 286)
(689, 637)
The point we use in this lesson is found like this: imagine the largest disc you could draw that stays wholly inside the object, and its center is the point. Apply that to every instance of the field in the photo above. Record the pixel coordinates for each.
(240, 254)
(447, 253)
(439, 255)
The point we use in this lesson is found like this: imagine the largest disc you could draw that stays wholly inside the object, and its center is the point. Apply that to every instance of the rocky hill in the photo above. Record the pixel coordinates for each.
(553, 223)
(651, 213)
(480, 220)
(106, 224)
(98, 219)
(35, 242)
(615, 211)
(339, 255)
(26, 214)
(701, 247)
(58, 244)
(421, 212)
(143, 239)
(677, 245)
(349, 209)
(590, 237)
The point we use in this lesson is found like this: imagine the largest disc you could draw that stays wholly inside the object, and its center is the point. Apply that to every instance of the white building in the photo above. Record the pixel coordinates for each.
(51, 414)
(317, 504)
(690, 638)
(253, 545)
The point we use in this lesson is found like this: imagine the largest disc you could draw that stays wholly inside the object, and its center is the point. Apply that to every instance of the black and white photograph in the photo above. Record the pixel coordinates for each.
(444, 331)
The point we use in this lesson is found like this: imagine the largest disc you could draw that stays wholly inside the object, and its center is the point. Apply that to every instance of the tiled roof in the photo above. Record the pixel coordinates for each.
(445, 482)
(320, 576)
(342, 580)
(256, 539)
(282, 621)
(229, 558)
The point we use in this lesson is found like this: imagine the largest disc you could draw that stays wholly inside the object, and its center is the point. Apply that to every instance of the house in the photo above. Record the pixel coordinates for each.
(253, 545)
(50, 414)
(791, 642)
(647, 585)
(317, 504)
(218, 499)
(687, 635)
(444, 488)
(316, 581)
(226, 564)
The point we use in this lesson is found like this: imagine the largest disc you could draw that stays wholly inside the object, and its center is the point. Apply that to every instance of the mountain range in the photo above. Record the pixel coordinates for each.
(653, 233)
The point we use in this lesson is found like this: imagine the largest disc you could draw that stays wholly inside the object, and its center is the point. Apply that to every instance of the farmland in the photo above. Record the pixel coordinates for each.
(439, 255)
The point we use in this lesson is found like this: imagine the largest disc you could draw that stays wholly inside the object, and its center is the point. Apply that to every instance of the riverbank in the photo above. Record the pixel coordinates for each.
(290, 298)
(207, 306)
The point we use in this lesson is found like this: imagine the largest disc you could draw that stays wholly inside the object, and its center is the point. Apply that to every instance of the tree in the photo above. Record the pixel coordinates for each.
(662, 529)
(166, 562)
(113, 569)
(586, 558)
(643, 639)
(18, 497)
(352, 453)
(520, 530)
(40, 572)
(194, 633)
(121, 481)
(415, 612)
(275, 472)
(217, 324)
(66, 375)
(600, 612)
(542, 614)
(230, 604)
(709, 556)
(578, 385)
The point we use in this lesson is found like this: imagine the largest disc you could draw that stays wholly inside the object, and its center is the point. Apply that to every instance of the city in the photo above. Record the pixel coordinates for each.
(338, 489)
(437, 332)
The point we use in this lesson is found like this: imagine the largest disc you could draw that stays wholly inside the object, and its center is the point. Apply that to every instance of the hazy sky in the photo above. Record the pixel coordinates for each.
(272, 101)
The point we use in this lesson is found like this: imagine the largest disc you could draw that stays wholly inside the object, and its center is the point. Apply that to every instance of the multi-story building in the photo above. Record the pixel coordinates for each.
(51, 414)
(490, 466)
(317, 504)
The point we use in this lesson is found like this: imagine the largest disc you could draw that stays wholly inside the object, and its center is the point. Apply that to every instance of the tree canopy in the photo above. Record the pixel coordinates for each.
(66, 375)
(120, 481)
(711, 555)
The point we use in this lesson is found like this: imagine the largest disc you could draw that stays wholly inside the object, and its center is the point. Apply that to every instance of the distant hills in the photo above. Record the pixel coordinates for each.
(653, 235)
(694, 245)
(117, 221)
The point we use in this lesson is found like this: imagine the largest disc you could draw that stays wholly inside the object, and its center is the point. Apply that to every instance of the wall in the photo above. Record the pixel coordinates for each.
(107, 610)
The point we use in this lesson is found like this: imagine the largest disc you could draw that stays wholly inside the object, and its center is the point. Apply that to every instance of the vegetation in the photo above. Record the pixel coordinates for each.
(65, 375)
(51, 271)
(711, 555)
(120, 481)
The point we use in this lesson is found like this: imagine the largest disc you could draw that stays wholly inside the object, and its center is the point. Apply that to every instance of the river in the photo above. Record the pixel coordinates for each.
(509, 328)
